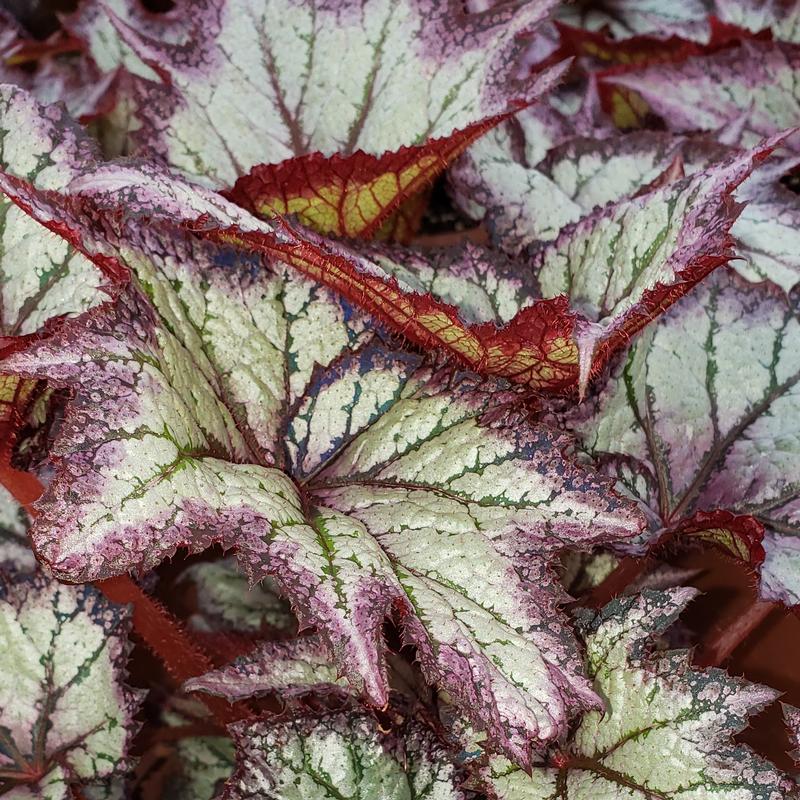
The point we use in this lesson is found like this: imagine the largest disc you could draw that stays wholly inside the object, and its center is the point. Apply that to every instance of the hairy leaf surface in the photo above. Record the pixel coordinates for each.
(214, 402)
(288, 668)
(42, 277)
(66, 715)
(622, 265)
(354, 195)
(341, 158)
(668, 730)
(535, 349)
(593, 172)
(339, 757)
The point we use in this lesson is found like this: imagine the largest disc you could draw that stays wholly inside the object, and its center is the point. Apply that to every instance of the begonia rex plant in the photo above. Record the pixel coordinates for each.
(370, 373)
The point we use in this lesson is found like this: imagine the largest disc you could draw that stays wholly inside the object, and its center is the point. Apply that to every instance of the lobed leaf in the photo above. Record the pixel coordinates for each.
(66, 715)
(540, 346)
(42, 277)
(624, 264)
(215, 403)
(338, 757)
(535, 350)
(628, 262)
(262, 81)
(668, 730)
(593, 173)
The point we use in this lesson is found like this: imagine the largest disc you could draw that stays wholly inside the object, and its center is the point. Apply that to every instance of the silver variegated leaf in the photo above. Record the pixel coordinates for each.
(15, 550)
(226, 601)
(67, 716)
(667, 730)
(245, 82)
(339, 757)
(706, 407)
(288, 668)
(364, 479)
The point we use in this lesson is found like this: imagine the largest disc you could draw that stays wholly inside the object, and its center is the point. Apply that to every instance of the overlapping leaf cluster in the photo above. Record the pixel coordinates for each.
(220, 325)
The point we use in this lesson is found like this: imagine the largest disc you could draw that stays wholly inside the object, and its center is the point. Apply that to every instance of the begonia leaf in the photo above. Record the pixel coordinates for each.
(206, 763)
(625, 18)
(667, 732)
(792, 717)
(623, 264)
(250, 82)
(753, 84)
(225, 601)
(15, 550)
(339, 757)
(780, 17)
(66, 714)
(703, 415)
(213, 403)
(288, 668)
(534, 349)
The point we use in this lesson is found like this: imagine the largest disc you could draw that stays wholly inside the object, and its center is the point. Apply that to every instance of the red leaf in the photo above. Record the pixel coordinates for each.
(351, 195)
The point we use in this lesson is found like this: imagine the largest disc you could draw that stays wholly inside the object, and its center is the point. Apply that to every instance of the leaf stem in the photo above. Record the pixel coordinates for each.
(624, 574)
(732, 632)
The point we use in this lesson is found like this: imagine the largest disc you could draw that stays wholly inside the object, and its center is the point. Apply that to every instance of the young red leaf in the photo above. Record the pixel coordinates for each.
(596, 48)
(535, 349)
(351, 195)
(66, 715)
(339, 756)
(667, 732)
(703, 415)
(342, 169)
